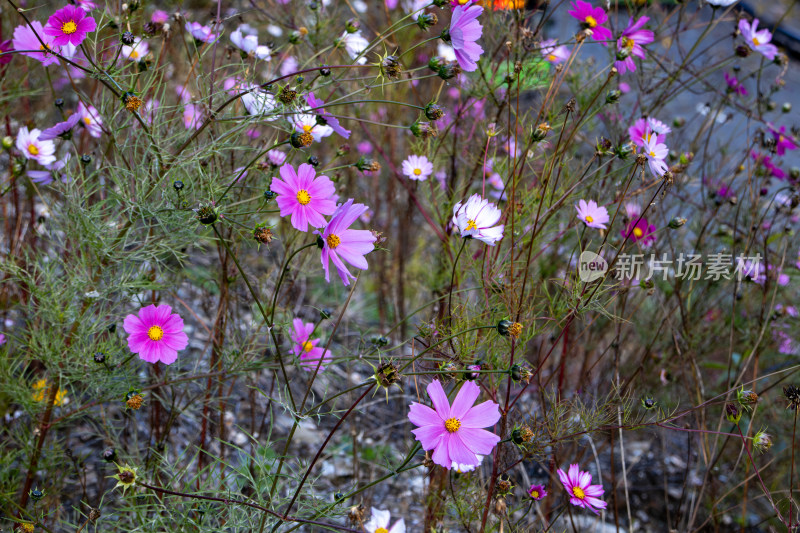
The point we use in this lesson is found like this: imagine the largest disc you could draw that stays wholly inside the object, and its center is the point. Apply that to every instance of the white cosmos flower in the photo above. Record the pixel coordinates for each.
(477, 218)
(43, 152)
(354, 44)
(305, 123)
(379, 523)
(246, 39)
(137, 51)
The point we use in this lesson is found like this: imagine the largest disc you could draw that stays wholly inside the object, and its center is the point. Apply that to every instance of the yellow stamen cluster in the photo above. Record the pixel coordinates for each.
(638, 232)
(578, 492)
(589, 219)
(69, 27)
(133, 103)
(33, 149)
(303, 197)
(417, 171)
(452, 425)
(471, 225)
(590, 21)
(515, 329)
(155, 333)
(307, 346)
(333, 241)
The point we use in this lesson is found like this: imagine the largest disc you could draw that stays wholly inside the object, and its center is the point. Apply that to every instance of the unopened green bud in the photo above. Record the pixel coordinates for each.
(676, 222)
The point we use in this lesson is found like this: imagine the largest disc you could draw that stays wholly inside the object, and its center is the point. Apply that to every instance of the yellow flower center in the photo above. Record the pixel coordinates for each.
(155, 333)
(307, 346)
(452, 425)
(303, 197)
(471, 225)
(134, 54)
(638, 232)
(417, 171)
(87, 120)
(590, 21)
(652, 154)
(69, 27)
(589, 219)
(534, 494)
(33, 150)
(781, 138)
(460, 2)
(628, 43)
(383, 529)
(551, 57)
(755, 41)
(333, 241)
(578, 492)
(307, 128)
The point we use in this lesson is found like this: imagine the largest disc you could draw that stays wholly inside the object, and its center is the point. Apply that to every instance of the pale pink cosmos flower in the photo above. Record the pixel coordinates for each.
(758, 40)
(645, 128)
(137, 51)
(28, 142)
(593, 215)
(69, 25)
(656, 153)
(354, 44)
(156, 334)
(581, 492)
(379, 523)
(340, 243)
(477, 218)
(304, 195)
(463, 33)
(455, 433)
(276, 157)
(200, 33)
(554, 53)
(317, 107)
(417, 167)
(307, 349)
(192, 116)
(25, 39)
(159, 16)
(90, 118)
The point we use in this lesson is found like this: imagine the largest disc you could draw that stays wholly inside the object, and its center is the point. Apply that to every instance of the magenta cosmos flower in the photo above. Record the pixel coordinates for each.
(454, 432)
(644, 128)
(340, 243)
(304, 195)
(307, 349)
(537, 492)
(156, 334)
(591, 18)
(639, 230)
(631, 43)
(593, 215)
(581, 492)
(758, 40)
(69, 25)
(782, 142)
(417, 167)
(464, 31)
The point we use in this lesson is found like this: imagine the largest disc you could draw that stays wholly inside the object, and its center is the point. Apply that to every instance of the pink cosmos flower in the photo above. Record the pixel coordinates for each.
(417, 167)
(86, 5)
(5, 47)
(581, 492)
(379, 523)
(464, 31)
(591, 18)
(632, 39)
(276, 157)
(25, 39)
(46, 177)
(2, 339)
(199, 32)
(638, 230)
(156, 334)
(593, 215)
(758, 40)
(69, 25)
(339, 242)
(553, 53)
(306, 197)
(537, 492)
(62, 128)
(656, 153)
(32, 147)
(477, 218)
(644, 128)
(317, 108)
(306, 349)
(782, 141)
(454, 432)
(159, 17)
(90, 118)
(192, 116)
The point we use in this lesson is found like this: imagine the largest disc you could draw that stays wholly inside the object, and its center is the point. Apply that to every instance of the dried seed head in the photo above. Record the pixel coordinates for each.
(134, 401)
(263, 235)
